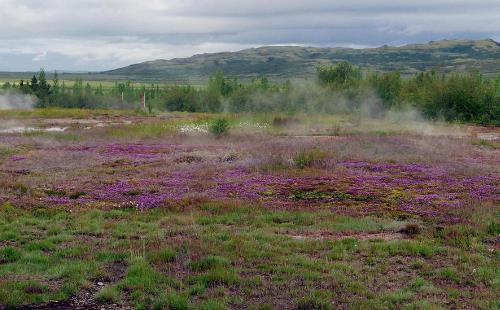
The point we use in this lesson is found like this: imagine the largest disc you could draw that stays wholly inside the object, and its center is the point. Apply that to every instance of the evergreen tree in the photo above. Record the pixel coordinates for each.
(42, 90)
(99, 91)
(56, 90)
(34, 84)
(88, 90)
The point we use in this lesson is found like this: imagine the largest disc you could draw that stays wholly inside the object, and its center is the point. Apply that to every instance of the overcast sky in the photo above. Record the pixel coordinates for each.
(93, 35)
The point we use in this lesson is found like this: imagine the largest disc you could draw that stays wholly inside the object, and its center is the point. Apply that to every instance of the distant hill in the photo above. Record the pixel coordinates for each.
(285, 62)
(295, 62)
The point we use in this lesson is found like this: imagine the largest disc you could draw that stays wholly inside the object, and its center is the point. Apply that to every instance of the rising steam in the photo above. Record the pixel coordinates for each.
(13, 100)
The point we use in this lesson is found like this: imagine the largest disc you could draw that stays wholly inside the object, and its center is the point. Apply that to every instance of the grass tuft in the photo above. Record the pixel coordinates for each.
(209, 262)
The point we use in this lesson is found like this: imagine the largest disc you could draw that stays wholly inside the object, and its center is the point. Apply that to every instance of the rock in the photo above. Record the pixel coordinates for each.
(100, 283)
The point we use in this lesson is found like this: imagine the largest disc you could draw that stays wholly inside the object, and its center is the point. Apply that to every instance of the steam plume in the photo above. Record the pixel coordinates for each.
(13, 100)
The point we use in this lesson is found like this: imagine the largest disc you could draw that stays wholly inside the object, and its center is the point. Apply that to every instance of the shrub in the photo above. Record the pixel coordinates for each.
(388, 87)
(182, 98)
(220, 127)
(466, 98)
(310, 158)
(343, 75)
(412, 229)
(76, 195)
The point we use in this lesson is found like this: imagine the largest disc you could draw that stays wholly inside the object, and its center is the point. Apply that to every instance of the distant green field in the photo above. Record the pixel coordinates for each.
(106, 85)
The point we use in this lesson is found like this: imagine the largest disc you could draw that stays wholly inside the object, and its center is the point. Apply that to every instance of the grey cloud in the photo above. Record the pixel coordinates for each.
(98, 35)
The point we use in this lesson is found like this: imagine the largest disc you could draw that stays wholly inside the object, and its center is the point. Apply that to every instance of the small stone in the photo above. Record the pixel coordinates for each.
(100, 283)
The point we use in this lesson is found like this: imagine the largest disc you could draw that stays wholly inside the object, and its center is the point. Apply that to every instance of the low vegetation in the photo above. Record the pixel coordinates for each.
(220, 127)
(178, 260)
(283, 212)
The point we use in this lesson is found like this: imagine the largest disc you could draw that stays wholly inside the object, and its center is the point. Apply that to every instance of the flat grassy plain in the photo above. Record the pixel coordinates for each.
(107, 85)
(117, 210)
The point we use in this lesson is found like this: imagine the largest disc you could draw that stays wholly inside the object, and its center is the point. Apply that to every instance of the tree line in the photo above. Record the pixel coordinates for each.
(464, 97)
(342, 88)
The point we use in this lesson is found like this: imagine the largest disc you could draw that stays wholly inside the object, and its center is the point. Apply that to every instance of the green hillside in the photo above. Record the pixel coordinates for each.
(299, 62)
(296, 62)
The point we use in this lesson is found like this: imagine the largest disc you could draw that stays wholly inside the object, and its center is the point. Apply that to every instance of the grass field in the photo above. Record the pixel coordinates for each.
(124, 211)
(106, 84)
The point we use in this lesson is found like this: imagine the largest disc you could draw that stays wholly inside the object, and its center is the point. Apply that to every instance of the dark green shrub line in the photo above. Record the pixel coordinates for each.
(464, 97)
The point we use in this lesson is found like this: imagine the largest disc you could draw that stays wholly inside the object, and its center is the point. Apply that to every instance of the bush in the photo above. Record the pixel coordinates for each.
(341, 76)
(310, 158)
(182, 98)
(388, 87)
(465, 98)
(412, 229)
(220, 127)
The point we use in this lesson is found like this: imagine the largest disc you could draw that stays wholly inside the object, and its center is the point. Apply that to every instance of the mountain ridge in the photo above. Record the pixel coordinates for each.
(287, 62)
